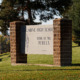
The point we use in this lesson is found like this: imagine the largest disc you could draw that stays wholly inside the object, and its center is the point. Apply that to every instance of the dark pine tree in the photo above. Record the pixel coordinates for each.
(10, 10)
(74, 14)
(44, 8)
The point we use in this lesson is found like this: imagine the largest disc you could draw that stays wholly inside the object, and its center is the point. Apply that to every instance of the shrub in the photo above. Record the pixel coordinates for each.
(4, 44)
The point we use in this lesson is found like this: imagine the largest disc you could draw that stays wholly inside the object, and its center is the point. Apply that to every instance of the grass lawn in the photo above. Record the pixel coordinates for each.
(24, 72)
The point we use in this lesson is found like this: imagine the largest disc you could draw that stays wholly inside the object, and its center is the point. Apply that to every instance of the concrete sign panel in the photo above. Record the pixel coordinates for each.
(37, 39)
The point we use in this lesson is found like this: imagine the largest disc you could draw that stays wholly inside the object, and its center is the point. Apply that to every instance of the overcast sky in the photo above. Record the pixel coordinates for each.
(0, 1)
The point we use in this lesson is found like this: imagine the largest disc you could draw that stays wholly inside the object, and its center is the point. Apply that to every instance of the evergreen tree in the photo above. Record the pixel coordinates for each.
(7, 14)
(10, 10)
(74, 14)
(45, 8)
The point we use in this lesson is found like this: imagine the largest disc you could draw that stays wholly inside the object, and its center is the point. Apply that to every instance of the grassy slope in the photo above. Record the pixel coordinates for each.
(22, 72)
(76, 54)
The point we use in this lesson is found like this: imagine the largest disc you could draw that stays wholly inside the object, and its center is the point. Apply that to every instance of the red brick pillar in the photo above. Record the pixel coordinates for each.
(15, 43)
(62, 42)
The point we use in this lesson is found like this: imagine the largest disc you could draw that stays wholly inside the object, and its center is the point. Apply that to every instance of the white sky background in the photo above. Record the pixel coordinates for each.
(0, 1)
(48, 22)
(37, 20)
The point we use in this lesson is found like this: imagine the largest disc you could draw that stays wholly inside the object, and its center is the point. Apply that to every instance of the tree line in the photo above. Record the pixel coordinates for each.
(14, 10)
(11, 10)
(74, 14)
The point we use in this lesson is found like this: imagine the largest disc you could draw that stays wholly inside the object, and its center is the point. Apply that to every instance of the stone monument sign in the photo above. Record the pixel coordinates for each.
(53, 39)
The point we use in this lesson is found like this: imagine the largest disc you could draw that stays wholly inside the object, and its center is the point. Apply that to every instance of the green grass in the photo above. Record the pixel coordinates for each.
(75, 54)
(26, 72)
(40, 59)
